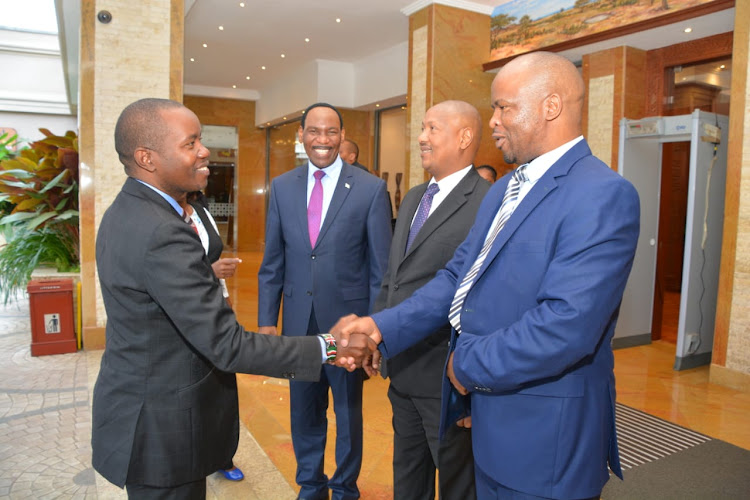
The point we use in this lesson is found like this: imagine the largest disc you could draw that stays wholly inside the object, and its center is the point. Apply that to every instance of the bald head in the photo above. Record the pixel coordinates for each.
(451, 133)
(538, 102)
(141, 125)
(349, 151)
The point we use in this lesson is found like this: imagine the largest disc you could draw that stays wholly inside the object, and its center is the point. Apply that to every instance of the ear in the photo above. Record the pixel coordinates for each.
(299, 134)
(343, 135)
(552, 107)
(466, 137)
(142, 157)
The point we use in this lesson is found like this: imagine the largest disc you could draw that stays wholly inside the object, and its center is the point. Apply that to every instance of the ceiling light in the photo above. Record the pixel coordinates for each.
(284, 118)
(722, 66)
(268, 123)
(242, 4)
(307, 40)
(688, 30)
(205, 45)
(234, 86)
(338, 19)
(221, 28)
(262, 67)
(247, 78)
(377, 105)
(283, 56)
(192, 59)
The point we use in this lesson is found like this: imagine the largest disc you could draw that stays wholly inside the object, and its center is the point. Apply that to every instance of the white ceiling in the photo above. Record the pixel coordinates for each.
(256, 35)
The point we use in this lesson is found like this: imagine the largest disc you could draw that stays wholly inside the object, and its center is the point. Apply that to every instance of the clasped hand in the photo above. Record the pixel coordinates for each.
(350, 329)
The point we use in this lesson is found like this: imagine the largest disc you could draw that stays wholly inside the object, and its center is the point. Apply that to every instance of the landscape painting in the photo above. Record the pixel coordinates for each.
(520, 26)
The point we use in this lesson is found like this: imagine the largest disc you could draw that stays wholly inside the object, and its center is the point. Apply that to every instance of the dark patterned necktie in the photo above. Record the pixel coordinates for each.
(422, 213)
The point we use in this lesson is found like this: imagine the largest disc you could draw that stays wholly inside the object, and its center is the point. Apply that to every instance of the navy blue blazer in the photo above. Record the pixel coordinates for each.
(537, 324)
(343, 273)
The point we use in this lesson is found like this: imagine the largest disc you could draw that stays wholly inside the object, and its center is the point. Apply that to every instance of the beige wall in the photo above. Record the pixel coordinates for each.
(114, 72)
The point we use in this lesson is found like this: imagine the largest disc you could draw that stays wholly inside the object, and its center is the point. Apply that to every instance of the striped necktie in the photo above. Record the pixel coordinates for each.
(506, 209)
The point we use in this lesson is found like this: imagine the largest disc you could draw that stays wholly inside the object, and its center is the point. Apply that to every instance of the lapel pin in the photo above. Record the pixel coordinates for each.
(346, 185)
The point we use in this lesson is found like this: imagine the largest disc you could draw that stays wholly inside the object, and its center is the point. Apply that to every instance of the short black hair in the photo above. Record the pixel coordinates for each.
(140, 125)
(491, 169)
(321, 105)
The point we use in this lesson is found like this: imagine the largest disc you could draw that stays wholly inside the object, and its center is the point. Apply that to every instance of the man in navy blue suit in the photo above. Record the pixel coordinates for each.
(533, 295)
(328, 232)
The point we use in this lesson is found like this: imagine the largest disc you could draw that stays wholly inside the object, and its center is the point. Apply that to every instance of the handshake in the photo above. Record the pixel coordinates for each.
(357, 342)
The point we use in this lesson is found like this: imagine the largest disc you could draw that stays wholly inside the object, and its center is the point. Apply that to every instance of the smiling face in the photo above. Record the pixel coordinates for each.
(179, 164)
(321, 136)
(440, 141)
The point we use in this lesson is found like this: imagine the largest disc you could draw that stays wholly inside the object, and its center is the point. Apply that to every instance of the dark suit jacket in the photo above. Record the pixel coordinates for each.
(537, 324)
(418, 370)
(342, 274)
(165, 402)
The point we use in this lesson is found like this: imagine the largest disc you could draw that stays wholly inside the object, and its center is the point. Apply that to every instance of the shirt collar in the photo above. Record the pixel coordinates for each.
(331, 170)
(164, 195)
(447, 183)
(539, 165)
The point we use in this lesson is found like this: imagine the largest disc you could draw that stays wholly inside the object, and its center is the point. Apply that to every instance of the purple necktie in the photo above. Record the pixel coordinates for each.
(422, 213)
(315, 208)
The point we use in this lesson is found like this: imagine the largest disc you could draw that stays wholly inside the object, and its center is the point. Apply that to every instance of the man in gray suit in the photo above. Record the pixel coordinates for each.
(434, 219)
(165, 403)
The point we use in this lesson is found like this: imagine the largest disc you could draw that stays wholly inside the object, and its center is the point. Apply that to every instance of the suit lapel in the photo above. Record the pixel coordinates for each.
(455, 200)
(299, 199)
(543, 187)
(343, 187)
(403, 223)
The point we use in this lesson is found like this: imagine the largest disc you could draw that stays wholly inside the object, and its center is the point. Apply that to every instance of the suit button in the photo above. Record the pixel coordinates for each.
(309, 292)
(395, 287)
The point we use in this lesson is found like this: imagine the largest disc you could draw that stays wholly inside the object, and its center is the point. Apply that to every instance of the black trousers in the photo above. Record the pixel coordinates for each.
(417, 452)
(188, 491)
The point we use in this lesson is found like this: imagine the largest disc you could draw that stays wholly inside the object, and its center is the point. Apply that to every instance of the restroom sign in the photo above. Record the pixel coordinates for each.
(52, 323)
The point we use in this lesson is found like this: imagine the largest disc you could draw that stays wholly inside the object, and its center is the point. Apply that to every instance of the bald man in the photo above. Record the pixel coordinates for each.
(434, 219)
(349, 152)
(533, 295)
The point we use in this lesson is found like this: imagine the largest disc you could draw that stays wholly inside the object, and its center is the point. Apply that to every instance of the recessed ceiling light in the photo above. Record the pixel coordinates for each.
(262, 67)
(722, 66)
(284, 118)
(688, 30)
(205, 45)
(283, 56)
(307, 40)
(242, 4)
(268, 123)
(247, 78)
(338, 19)
(192, 59)
(377, 105)
(234, 86)
(221, 28)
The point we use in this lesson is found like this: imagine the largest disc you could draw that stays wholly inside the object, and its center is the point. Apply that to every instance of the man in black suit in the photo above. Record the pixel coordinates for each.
(434, 219)
(165, 403)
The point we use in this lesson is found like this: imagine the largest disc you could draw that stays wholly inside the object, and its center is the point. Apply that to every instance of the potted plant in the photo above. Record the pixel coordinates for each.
(38, 209)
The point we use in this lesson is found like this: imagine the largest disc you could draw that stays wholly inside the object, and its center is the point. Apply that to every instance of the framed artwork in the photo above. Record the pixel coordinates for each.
(520, 26)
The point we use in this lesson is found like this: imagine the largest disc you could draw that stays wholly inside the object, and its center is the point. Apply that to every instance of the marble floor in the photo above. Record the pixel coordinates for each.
(645, 380)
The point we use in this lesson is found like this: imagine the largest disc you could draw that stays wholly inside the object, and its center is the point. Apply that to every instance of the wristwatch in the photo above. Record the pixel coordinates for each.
(330, 342)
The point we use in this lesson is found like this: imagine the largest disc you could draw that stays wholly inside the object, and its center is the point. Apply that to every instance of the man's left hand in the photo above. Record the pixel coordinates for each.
(452, 377)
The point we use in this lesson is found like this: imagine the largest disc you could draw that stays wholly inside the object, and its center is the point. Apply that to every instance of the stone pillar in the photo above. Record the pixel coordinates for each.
(138, 54)
(447, 47)
(730, 364)
(615, 89)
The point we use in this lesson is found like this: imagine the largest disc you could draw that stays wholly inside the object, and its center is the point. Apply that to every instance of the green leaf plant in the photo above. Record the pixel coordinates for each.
(38, 209)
